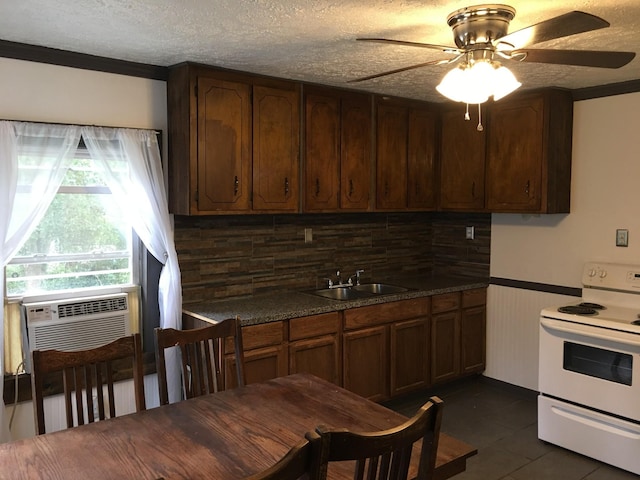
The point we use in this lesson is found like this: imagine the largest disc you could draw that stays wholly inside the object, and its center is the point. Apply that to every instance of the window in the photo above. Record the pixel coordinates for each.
(81, 243)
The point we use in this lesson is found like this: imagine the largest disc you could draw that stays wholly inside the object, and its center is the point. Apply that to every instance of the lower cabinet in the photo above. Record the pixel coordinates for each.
(458, 334)
(377, 351)
(386, 347)
(473, 331)
(314, 346)
(265, 354)
(366, 362)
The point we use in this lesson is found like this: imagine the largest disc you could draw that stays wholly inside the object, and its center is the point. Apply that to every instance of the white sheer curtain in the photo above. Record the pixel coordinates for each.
(33, 161)
(131, 162)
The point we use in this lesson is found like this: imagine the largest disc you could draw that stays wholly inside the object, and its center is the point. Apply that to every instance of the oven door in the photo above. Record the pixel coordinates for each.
(591, 366)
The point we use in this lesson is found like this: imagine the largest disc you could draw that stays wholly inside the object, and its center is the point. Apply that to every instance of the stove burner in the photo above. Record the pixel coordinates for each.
(595, 306)
(578, 310)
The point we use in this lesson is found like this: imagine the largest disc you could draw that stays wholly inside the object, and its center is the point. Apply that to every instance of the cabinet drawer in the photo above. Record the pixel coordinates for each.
(472, 298)
(385, 313)
(314, 326)
(257, 336)
(445, 302)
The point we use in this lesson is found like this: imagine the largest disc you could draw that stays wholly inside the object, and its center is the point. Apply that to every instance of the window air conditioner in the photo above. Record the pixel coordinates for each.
(78, 323)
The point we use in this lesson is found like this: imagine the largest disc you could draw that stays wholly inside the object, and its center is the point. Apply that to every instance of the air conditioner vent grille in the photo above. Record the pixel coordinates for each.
(85, 334)
(92, 307)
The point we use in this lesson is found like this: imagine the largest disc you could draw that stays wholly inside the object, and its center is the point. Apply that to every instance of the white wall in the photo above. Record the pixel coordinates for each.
(47, 93)
(553, 248)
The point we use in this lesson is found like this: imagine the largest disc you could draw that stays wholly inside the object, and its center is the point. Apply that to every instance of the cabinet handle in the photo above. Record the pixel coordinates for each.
(286, 185)
(236, 185)
(317, 187)
(473, 189)
(386, 189)
(350, 187)
(526, 187)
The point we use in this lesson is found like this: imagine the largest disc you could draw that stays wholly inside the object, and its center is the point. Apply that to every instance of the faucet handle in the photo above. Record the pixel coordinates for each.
(358, 272)
(329, 282)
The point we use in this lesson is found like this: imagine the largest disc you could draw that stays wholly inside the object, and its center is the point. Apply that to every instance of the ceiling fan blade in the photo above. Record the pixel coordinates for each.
(403, 69)
(411, 44)
(557, 27)
(583, 58)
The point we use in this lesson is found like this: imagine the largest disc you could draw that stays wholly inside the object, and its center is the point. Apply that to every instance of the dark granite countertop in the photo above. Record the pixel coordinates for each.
(288, 304)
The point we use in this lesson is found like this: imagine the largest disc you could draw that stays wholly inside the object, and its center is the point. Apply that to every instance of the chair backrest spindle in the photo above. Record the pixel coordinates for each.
(202, 357)
(85, 375)
(386, 454)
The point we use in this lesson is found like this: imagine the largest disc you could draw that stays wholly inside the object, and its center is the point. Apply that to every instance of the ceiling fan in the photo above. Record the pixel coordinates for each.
(481, 33)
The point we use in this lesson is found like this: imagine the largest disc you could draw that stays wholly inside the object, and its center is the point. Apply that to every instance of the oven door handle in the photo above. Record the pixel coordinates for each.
(577, 329)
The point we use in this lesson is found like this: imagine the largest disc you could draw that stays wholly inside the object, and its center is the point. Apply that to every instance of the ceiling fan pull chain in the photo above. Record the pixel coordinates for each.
(480, 127)
(466, 115)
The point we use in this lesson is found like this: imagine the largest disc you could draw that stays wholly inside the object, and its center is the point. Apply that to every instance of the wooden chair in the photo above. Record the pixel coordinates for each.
(386, 454)
(300, 461)
(202, 355)
(88, 372)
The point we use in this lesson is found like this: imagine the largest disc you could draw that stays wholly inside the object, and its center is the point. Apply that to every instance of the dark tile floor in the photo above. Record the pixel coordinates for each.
(500, 420)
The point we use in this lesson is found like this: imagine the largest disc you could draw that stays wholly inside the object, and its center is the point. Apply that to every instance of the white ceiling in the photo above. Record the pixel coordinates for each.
(310, 40)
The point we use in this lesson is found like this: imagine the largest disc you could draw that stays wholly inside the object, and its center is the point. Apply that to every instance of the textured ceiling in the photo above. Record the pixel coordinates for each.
(309, 40)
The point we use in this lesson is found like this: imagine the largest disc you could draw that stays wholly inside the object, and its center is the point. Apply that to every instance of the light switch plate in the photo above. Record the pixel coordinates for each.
(470, 233)
(622, 238)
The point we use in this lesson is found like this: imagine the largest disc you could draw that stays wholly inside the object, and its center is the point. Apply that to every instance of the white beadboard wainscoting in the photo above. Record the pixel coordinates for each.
(513, 320)
(23, 425)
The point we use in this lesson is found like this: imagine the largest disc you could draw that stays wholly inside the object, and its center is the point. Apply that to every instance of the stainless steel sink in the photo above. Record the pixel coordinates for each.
(358, 291)
(379, 288)
(339, 293)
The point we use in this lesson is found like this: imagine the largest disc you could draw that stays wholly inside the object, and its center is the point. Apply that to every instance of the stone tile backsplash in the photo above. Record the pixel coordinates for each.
(230, 256)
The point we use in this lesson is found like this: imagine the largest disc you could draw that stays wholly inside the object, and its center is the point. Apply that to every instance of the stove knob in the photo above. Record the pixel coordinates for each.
(592, 272)
(603, 274)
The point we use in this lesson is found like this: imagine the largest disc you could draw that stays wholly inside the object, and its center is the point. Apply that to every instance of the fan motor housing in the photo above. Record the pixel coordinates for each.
(480, 24)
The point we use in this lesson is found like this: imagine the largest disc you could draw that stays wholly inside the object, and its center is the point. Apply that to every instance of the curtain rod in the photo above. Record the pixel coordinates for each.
(157, 132)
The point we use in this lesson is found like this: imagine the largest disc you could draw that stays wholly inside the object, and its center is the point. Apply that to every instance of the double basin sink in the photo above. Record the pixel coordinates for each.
(355, 292)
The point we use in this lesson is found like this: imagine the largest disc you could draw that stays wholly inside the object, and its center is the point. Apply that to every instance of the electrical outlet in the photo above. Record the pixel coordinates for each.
(308, 235)
(622, 238)
(470, 233)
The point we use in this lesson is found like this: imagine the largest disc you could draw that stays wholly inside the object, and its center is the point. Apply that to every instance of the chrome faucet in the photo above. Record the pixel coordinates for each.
(352, 280)
(355, 278)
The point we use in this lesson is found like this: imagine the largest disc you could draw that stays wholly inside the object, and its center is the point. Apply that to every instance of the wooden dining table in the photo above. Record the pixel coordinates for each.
(226, 435)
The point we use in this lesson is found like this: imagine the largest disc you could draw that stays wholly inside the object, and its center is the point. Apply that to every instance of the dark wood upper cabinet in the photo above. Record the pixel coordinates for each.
(529, 153)
(462, 162)
(224, 137)
(337, 151)
(406, 155)
(421, 158)
(276, 148)
(234, 142)
(391, 167)
(234, 148)
(355, 152)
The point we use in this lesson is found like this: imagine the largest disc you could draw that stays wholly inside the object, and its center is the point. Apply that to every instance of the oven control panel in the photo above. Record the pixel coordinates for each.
(613, 276)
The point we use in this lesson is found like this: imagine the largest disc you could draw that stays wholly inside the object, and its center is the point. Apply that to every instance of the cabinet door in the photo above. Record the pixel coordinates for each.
(318, 356)
(515, 155)
(276, 141)
(391, 167)
(409, 356)
(355, 154)
(322, 153)
(366, 362)
(445, 346)
(260, 365)
(421, 159)
(462, 160)
(473, 339)
(224, 146)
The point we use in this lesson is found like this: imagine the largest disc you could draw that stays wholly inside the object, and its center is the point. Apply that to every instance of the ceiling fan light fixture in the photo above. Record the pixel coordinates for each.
(474, 83)
(505, 82)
